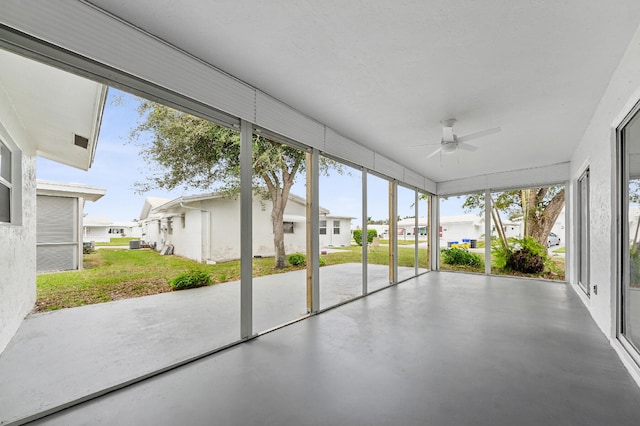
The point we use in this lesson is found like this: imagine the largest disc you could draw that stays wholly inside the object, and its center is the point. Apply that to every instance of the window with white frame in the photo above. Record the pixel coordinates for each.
(5, 183)
(288, 227)
(336, 227)
(323, 227)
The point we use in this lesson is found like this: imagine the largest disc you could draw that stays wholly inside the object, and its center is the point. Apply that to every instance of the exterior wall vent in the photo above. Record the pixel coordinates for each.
(81, 141)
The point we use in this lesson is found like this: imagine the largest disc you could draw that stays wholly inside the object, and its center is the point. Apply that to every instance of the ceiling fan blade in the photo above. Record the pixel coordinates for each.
(434, 153)
(466, 147)
(423, 144)
(481, 134)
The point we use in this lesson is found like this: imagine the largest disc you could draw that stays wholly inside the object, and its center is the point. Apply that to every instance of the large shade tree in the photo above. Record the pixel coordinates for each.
(197, 154)
(538, 208)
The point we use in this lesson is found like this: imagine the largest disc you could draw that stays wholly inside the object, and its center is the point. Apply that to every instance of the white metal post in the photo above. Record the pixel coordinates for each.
(365, 239)
(416, 231)
(434, 233)
(246, 232)
(487, 231)
(315, 231)
(393, 232)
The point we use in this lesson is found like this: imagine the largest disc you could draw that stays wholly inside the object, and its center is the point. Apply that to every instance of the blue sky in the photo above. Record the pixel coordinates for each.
(118, 166)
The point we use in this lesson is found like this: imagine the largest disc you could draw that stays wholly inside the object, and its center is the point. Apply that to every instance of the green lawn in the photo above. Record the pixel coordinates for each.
(116, 242)
(114, 274)
(402, 242)
(559, 250)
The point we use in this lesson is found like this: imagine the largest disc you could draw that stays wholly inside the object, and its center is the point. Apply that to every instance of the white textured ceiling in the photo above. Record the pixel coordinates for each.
(385, 72)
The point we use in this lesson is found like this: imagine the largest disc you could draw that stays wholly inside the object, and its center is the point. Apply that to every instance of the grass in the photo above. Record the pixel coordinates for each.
(116, 242)
(559, 250)
(114, 274)
(402, 242)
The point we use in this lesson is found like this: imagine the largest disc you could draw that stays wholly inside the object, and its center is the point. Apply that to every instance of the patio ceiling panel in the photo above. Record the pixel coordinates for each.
(280, 118)
(413, 178)
(536, 176)
(387, 167)
(347, 149)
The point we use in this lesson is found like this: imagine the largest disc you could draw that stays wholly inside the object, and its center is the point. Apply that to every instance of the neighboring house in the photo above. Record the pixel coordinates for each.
(59, 224)
(471, 227)
(407, 227)
(206, 227)
(46, 112)
(95, 228)
(100, 229)
(131, 229)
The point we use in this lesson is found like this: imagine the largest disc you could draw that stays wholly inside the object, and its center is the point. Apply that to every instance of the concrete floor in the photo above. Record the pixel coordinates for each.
(61, 356)
(441, 349)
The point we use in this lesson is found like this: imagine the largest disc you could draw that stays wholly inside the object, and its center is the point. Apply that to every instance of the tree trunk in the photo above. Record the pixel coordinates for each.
(279, 198)
(277, 216)
(539, 225)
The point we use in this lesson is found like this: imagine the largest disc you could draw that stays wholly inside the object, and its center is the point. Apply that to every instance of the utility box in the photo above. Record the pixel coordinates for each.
(134, 244)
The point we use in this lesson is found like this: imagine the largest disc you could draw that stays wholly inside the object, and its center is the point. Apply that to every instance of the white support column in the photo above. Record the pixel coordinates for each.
(570, 273)
(246, 232)
(393, 232)
(365, 237)
(315, 231)
(487, 231)
(416, 231)
(434, 233)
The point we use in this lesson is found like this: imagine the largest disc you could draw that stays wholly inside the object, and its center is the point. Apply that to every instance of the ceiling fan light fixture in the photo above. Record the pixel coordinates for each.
(448, 148)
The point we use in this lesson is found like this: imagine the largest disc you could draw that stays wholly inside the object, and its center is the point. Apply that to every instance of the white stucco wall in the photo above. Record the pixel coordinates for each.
(96, 234)
(597, 151)
(336, 240)
(18, 262)
(457, 231)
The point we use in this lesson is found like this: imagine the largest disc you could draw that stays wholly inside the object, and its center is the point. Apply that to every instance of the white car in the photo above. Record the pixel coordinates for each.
(553, 240)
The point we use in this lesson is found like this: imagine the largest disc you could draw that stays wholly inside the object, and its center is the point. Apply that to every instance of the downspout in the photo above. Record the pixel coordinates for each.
(205, 250)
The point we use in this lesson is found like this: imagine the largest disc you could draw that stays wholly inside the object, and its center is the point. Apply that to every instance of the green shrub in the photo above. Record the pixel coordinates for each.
(322, 262)
(190, 279)
(458, 256)
(296, 259)
(371, 234)
(524, 255)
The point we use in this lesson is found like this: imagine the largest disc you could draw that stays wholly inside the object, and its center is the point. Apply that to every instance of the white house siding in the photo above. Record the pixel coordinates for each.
(263, 228)
(151, 231)
(459, 230)
(188, 241)
(97, 234)
(336, 240)
(18, 277)
(210, 230)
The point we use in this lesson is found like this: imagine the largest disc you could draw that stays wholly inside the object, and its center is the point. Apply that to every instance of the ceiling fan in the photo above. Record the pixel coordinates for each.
(451, 143)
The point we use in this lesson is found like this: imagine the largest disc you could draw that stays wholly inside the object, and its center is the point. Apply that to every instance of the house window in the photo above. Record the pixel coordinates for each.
(170, 226)
(183, 219)
(323, 227)
(5, 183)
(336, 227)
(288, 227)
